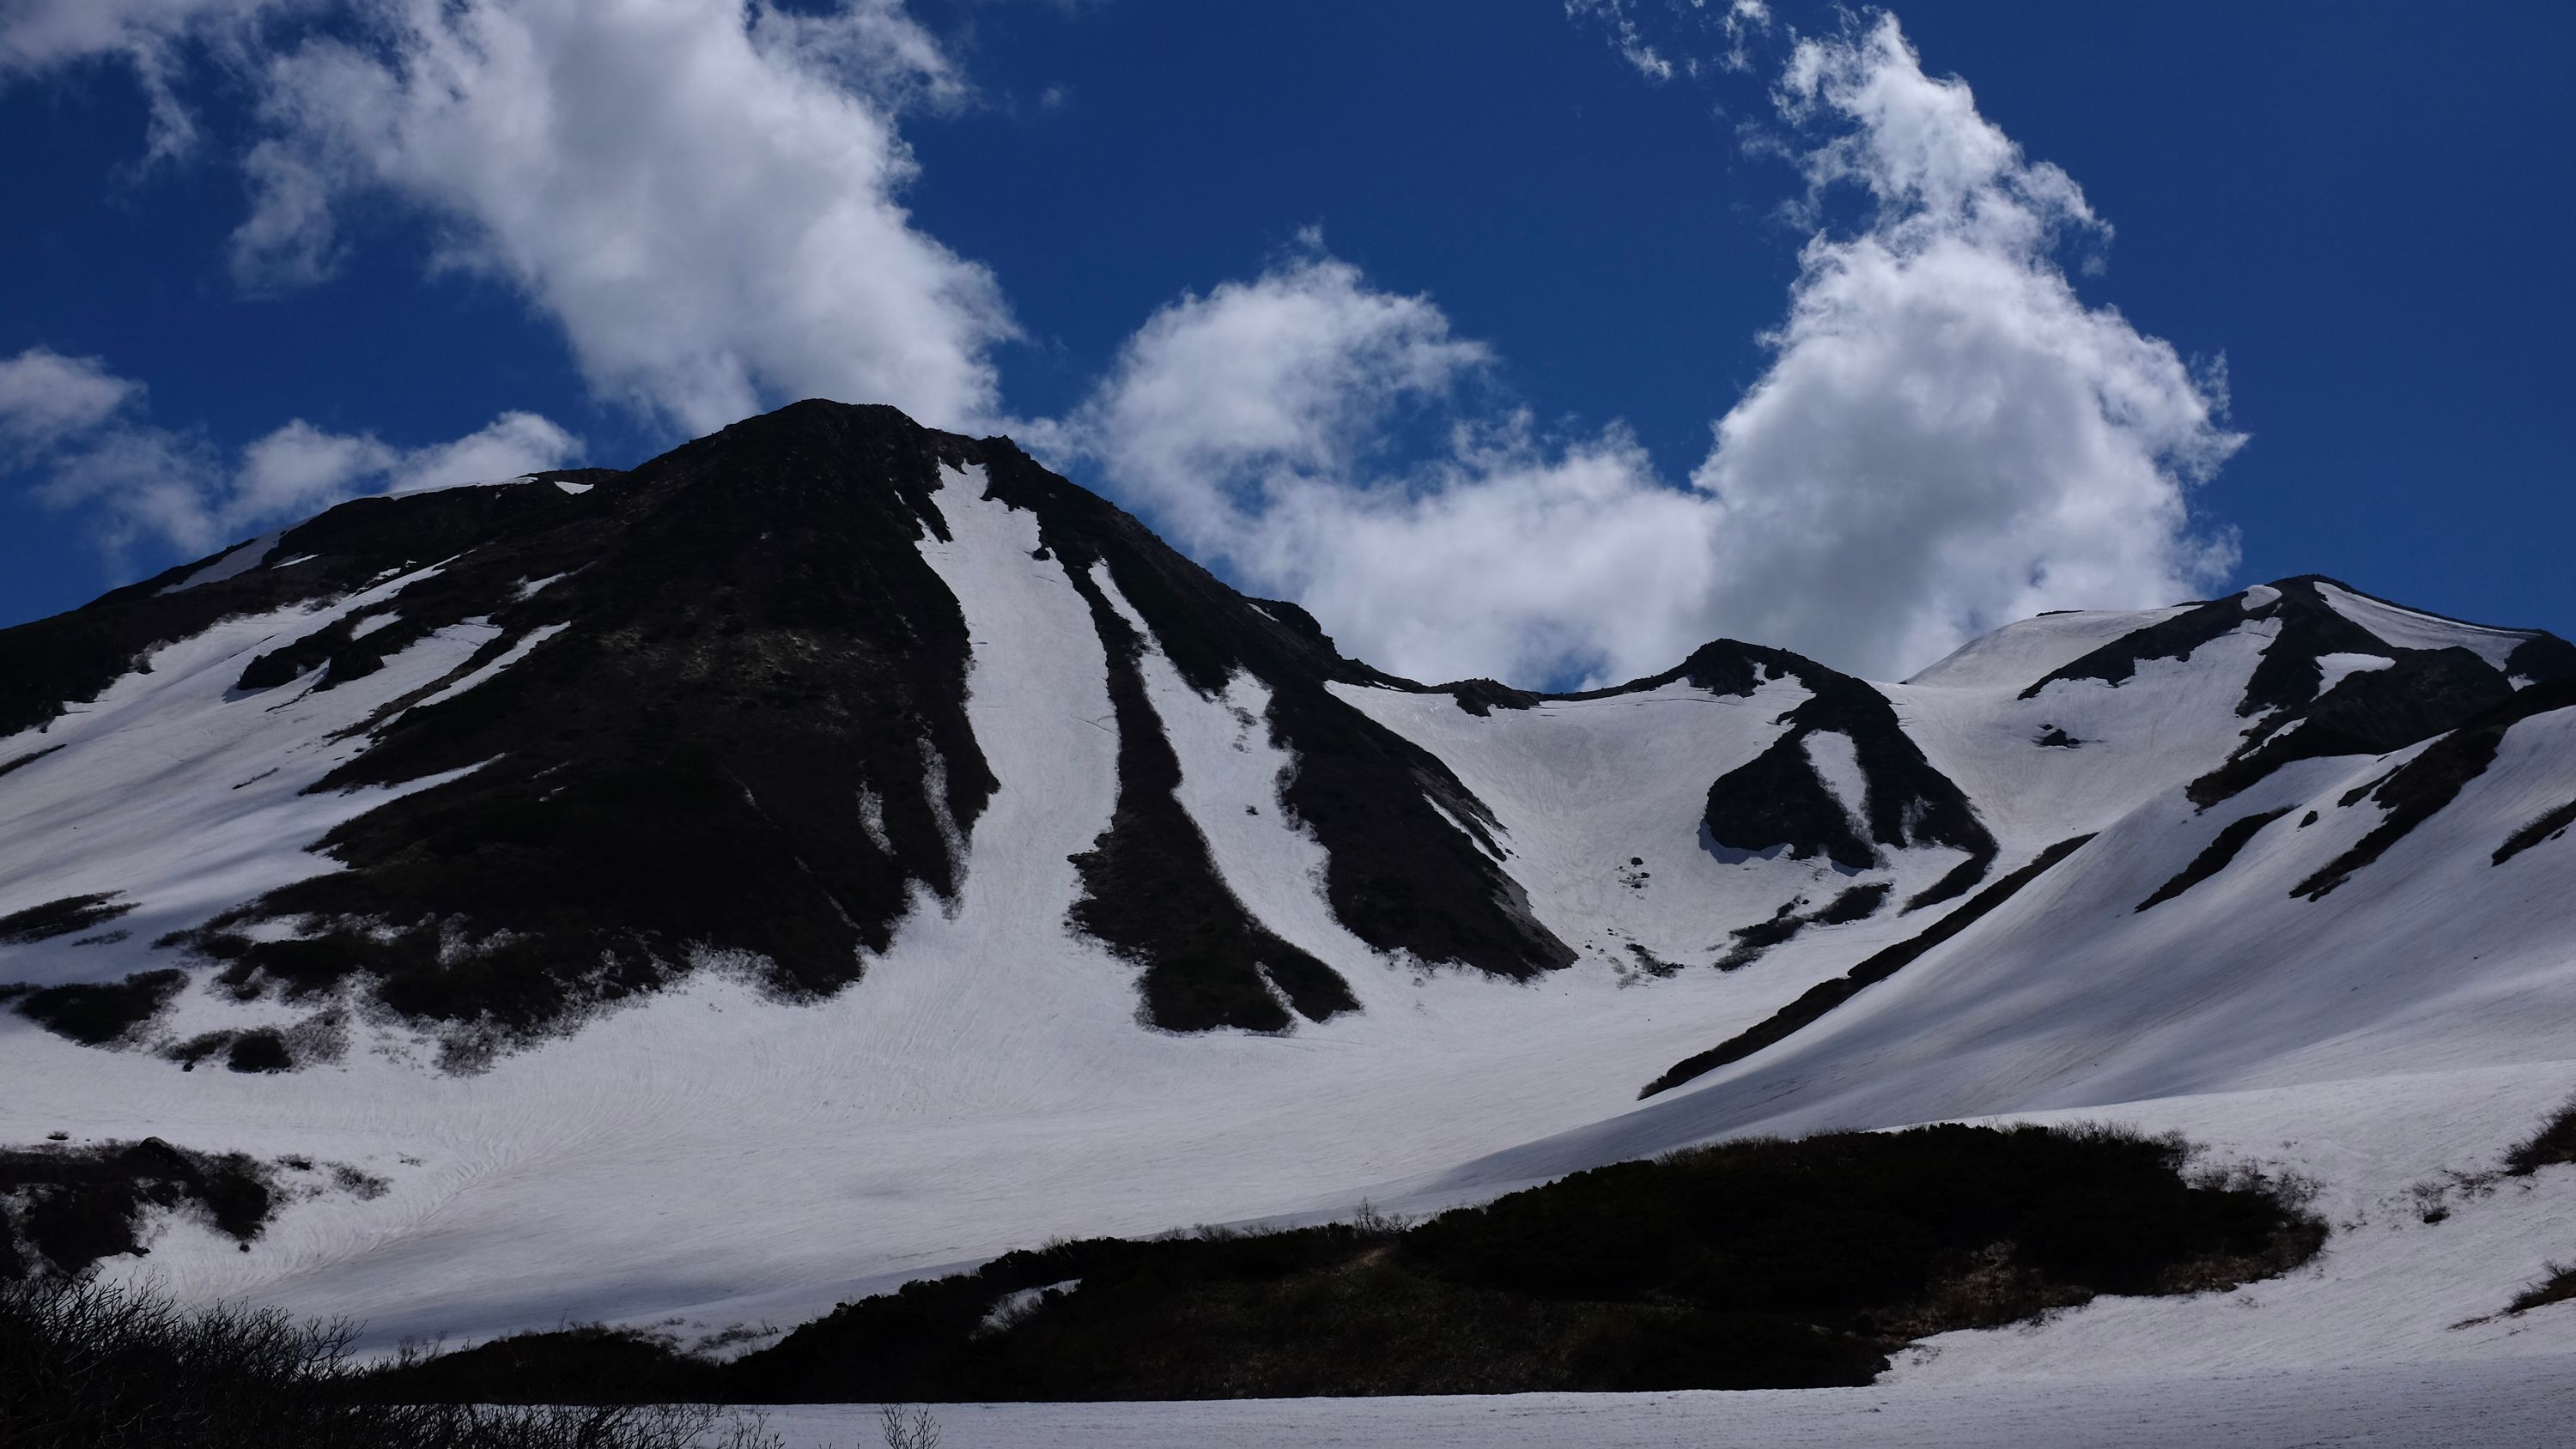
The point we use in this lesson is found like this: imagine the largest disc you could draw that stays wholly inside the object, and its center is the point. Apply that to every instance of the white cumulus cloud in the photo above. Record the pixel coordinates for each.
(1947, 437)
(703, 194)
(142, 486)
(1250, 424)
(45, 396)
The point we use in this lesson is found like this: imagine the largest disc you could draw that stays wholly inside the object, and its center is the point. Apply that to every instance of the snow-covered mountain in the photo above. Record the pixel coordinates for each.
(836, 850)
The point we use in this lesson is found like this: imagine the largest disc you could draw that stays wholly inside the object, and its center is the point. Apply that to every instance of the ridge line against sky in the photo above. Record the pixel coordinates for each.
(1942, 434)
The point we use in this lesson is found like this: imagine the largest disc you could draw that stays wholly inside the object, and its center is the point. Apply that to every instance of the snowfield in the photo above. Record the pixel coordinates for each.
(711, 1157)
(2503, 1404)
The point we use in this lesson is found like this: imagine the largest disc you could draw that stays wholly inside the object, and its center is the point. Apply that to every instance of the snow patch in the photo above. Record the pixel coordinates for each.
(232, 563)
(1836, 760)
(2409, 629)
(481, 634)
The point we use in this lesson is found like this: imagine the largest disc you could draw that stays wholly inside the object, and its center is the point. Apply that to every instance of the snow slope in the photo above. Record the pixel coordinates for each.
(719, 1151)
(2507, 1404)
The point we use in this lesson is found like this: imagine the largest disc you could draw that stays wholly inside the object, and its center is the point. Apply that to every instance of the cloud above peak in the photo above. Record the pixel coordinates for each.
(1946, 438)
(705, 196)
(78, 432)
(702, 194)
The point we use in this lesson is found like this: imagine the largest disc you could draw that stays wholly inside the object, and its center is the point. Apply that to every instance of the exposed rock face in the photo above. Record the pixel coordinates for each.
(722, 711)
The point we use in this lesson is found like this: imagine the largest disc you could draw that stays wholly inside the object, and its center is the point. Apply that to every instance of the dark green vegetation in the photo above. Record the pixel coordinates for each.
(2548, 826)
(96, 1014)
(2418, 790)
(29, 758)
(64, 1208)
(2552, 1145)
(86, 1366)
(1757, 1264)
(60, 918)
(2556, 1284)
(1858, 903)
(262, 1049)
(2234, 838)
(1826, 995)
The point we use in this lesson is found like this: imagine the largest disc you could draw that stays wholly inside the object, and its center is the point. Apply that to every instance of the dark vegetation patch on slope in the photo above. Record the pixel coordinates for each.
(2541, 658)
(2424, 693)
(1755, 1264)
(61, 918)
(1152, 893)
(586, 1363)
(2216, 856)
(1722, 666)
(2554, 1144)
(2418, 790)
(752, 739)
(1826, 995)
(321, 1037)
(65, 1208)
(88, 1365)
(2370, 712)
(12, 766)
(1777, 798)
(2556, 1284)
(1481, 697)
(2174, 638)
(1955, 882)
(2549, 825)
(96, 1013)
(1858, 903)
(1398, 874)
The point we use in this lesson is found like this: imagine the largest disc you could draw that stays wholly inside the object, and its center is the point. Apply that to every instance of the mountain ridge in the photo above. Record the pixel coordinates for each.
(877, 852)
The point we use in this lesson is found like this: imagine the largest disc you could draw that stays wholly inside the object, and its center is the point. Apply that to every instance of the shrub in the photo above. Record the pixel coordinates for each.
(1752, 1264)
(2553, 1144)
(64, 1208)
(95, 1015)
(2556, 1284)
(91, 1366)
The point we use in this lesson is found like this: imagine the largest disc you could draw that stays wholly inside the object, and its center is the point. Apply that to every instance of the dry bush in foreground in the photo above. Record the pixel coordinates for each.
(87, 1365)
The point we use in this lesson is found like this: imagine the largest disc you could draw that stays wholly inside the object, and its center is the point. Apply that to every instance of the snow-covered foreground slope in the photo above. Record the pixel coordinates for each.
(2508, 1404)
(1154, 911)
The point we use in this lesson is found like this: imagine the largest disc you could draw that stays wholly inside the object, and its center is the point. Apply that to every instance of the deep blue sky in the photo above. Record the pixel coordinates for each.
(2364, 207)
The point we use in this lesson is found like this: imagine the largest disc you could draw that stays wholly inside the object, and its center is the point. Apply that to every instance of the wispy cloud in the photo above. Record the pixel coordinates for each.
(83, 442)
(1619, 18)
(46, 397)
(149, 36)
